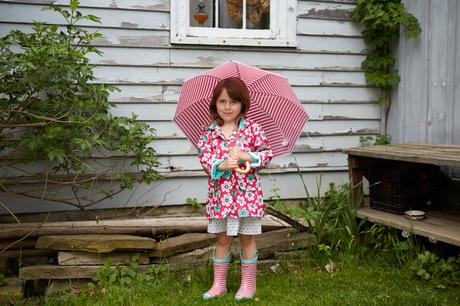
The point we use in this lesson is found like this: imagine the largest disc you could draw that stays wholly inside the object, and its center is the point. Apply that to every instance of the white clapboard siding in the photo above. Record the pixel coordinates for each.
(316, 127)
(312, 159)
(324, 71)
(210, 58)
(145, 5)
(326, 10)
(113, 36)
(176, 75)
(22, 13)
(331, 44)
(328, 27)
(176, 190)
(165, 111)
(170, 93)
(166, 146)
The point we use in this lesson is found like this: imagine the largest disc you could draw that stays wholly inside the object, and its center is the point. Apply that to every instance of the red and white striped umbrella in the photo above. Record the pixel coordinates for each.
(273, 104)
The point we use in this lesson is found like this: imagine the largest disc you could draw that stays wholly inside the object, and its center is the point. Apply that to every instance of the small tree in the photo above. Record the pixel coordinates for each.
(55, 116)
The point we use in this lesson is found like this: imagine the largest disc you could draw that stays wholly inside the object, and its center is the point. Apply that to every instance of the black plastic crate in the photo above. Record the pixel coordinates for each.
(399, 186)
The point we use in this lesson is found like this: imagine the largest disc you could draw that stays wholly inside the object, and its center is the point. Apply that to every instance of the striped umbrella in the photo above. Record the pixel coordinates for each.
(273, 104)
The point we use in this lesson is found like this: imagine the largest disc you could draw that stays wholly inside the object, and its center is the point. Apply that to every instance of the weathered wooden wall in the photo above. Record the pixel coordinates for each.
(426, 105)
(324, 71)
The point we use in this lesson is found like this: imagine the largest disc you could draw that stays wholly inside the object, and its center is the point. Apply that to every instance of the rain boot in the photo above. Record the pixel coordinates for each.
(248, 278)
(219, 286)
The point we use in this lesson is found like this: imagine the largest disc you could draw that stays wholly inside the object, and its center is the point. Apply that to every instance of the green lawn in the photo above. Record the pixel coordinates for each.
(363, 282)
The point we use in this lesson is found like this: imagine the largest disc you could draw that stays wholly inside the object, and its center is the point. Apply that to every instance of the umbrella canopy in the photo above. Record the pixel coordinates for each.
(273, 104)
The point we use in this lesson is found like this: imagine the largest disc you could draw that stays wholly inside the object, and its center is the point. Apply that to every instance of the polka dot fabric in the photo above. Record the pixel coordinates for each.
(235, 226)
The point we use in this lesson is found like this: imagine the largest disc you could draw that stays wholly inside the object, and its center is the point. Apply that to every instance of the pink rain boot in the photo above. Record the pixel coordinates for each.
(248, 278)
(219, 286)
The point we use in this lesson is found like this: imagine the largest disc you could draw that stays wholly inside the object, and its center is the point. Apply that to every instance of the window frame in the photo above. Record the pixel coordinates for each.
(282, 32)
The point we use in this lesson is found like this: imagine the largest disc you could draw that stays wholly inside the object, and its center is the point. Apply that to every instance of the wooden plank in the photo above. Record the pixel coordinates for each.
(166, 111)
(437, 226)
(129, 226)
(170, 93)
(122, 19)
(154, 5)
(411, 154)
(211, 58)
(182, 244)
(310, 159)
(277, 241)
(160, 75)
(14, 244)
(285, 217)
(94, 243)
(322, 10)
(198, 257)
(114, 37)
(313, 127)
(331, 44)
(329, 27)
(26, 253)
(91, 259)
(85, 272)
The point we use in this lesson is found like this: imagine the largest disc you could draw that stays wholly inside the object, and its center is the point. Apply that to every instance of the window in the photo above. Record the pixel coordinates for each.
(234, 22)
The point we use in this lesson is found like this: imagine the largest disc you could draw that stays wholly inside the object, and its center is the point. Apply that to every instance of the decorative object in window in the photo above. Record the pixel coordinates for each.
(234, 22)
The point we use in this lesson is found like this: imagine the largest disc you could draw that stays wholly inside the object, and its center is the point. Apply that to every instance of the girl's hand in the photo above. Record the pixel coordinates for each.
(234, 152)
(230, 163)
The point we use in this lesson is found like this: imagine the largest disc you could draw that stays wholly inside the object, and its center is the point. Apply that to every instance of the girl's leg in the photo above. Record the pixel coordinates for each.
(249, 258)
(221, 262)
(248, 245)
(223, 245)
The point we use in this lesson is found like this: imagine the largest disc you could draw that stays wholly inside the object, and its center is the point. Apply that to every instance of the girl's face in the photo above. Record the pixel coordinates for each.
(227, 108)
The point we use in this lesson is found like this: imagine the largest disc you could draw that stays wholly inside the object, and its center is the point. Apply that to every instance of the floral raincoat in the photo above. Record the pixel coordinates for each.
(231, 194)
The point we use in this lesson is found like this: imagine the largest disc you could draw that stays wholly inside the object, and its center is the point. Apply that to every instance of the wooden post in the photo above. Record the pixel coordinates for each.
(356, 178)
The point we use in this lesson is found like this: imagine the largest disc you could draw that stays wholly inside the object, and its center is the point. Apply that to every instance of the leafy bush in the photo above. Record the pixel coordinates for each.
(428, 266)
(54, 112)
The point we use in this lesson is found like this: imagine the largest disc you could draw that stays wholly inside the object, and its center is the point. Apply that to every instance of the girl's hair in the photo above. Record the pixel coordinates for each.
(236, 90)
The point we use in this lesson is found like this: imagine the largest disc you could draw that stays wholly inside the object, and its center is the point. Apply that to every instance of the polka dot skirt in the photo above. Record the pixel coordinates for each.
(235, 226)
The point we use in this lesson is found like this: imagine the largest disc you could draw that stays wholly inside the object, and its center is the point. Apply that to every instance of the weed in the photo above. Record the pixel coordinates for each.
(443, 272)
(2, 280)
(108, 276)
(380, 139)
(194, 203)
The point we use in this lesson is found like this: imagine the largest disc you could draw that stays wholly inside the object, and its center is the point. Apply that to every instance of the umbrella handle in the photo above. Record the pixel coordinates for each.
(243, 171)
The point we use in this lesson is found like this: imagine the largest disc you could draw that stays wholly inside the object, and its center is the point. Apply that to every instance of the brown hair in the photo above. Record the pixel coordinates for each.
(236, 90)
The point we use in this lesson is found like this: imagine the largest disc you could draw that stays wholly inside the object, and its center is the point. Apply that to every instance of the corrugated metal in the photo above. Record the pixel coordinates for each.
(324, 71)
(426, 104)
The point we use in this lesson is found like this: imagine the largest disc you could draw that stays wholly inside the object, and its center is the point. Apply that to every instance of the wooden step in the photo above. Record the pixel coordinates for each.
(94, 243)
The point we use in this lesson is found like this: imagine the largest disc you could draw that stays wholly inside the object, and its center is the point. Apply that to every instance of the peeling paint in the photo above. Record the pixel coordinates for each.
(157, 7)
(307, 134)
(329, 117)
(208, 60)
(108, 62)
(367, 131)
(306, 149)
(321, 164)
(328, 14)
(144, 41)
(291, 165)
(130, 25)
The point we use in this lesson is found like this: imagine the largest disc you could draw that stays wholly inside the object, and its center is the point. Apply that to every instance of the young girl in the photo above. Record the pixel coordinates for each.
(235, 202)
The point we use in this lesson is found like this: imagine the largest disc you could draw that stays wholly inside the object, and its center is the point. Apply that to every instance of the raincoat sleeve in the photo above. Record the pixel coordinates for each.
(262, 154)
(208, 157)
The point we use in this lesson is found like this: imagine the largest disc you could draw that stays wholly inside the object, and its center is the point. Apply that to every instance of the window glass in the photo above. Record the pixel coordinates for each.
(230, 14)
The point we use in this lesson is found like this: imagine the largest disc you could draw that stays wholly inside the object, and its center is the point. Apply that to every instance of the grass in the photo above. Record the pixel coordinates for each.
(354, 282)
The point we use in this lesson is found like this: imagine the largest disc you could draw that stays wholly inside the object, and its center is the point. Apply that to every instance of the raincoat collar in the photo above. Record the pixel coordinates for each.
(241, 125)
(217, 129)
